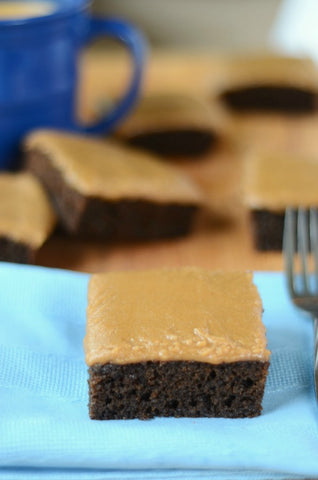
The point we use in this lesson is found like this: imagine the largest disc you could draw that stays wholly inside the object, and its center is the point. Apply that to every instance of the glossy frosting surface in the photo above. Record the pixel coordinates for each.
(174, 314)
(108, 170)
(275, 181)
(25, 212)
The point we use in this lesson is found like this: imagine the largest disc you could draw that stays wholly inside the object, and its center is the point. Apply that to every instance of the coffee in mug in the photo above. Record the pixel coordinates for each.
(16, 10)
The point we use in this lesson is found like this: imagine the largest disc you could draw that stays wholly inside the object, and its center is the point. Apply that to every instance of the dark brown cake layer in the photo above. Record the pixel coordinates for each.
(176, 389)
(17, 252)
(268, 229)
(271, 98)
(175, 143)
(109, 220)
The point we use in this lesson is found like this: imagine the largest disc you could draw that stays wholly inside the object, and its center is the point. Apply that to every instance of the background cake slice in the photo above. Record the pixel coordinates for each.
(105, 190)
(273, 182)
(172, 125)
(270, 83)
(175, 342)
(26, 217)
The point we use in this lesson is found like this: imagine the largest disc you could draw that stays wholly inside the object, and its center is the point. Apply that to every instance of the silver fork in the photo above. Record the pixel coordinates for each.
(300, 242)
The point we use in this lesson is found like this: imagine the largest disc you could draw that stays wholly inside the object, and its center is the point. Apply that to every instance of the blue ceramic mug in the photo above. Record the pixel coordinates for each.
(39, 75)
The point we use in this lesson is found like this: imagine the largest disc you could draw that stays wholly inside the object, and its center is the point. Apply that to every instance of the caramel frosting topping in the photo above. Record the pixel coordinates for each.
(174, 314)
(109, 170)
(25, 212)
(271, 70)
(164, 112)
(277, 181)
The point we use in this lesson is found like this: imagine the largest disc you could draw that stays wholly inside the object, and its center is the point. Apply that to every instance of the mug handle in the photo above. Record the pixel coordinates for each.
(136, 44)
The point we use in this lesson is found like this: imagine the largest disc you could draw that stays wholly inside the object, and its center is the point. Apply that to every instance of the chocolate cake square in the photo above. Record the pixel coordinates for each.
(270, 83)
(26, 217)
(105, 190)
(273, 182)
(172, 125)
(175, 342)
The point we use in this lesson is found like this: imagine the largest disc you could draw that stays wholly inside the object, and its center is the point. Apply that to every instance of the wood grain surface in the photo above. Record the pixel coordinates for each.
(215, 243)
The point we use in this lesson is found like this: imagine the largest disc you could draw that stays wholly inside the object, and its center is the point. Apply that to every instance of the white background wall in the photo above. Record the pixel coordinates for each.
(217, 24)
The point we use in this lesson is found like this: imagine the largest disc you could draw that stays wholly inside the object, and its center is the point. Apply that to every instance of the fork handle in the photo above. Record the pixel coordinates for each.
(316, 355)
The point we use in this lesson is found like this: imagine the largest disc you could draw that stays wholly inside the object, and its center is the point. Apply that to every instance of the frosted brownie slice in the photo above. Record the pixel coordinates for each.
(172, 125)
(270, 83)
(273, 182)
(105, 190)
(26, 217)
(175, 342)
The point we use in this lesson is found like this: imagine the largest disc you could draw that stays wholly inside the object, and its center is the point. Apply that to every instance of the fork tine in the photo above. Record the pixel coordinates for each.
(306, 300)
(314, 240)
(303, 247)
(316, 355)
(314, 249)
(289, 248)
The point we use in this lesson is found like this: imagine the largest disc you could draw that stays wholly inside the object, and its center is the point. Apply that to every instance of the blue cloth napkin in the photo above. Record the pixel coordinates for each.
(45, 431)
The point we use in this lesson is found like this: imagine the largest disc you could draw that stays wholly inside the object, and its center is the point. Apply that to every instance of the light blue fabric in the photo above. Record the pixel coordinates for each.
(45, 431)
